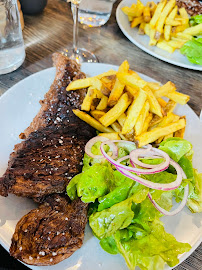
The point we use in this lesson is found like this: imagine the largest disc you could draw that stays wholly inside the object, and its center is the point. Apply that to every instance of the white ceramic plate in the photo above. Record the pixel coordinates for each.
(18, 106)
(142, 41)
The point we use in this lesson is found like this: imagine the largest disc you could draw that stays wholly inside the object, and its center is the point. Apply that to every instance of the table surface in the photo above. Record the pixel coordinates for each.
(51, 31)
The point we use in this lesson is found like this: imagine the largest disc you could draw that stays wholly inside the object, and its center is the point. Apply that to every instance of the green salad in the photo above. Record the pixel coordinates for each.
(122, 216)
(193, 48)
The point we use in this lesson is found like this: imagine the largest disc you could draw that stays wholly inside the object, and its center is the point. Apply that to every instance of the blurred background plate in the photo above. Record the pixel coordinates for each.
(142, 41)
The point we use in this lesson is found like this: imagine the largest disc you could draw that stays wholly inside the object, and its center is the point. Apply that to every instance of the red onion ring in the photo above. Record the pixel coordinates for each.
(150, 184)
(91, 142)
(144, 152)
(181, 205)
(133, 169)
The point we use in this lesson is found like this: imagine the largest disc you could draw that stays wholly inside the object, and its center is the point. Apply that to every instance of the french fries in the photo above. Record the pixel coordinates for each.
(163, 23)
(140, 114)
(113, 114)
(154, 134)
(134, 111)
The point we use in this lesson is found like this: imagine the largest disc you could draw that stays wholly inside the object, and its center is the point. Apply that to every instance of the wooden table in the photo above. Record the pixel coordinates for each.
(52, 31)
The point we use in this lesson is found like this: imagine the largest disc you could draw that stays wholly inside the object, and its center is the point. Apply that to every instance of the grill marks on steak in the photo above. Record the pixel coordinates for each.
(45, 164)
(50, 233)
(54, 142)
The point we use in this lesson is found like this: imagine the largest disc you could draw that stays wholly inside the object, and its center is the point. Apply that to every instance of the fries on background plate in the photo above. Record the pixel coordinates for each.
(166, 25)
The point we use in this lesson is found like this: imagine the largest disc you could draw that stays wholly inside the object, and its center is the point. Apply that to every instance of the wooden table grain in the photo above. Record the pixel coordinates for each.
(51, 31)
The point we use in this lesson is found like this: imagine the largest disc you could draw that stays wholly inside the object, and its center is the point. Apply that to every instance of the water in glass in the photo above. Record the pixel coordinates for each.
(12, 52)
(95, 13)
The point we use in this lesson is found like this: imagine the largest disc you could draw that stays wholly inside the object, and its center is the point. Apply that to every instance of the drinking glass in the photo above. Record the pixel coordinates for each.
(95, 13)
(79, 54)
(12, 52)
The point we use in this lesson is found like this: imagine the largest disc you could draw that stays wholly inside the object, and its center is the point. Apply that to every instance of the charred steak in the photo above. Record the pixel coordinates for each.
(50, 233)
(53, 148)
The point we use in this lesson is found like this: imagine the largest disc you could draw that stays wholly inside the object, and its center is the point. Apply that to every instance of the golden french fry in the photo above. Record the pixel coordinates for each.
(152, 6)
(130, 11)
(106, 74)
(194, 30)
(169, 118)
(168, 136)
(162, 102)
(130, 18)
(166, 10)
(153, 39)
(116, 127)
(153, 135)
(84, 83)
(168, 26)
(180, 133)
(154, 85)
(171, 22)
(179, 28)
(164, 46)
(136, 21)
(140, 8)
(103, 103)
(141, 28)
(170, 106)
(147, 29)
(134, 111)
(118, 87)
(131, 90)
(91, 121)
(178, 97)
(110, 136)
(108, 82)
(87, 102)
(176, 43)
(141, 118)
(113, 114)
(122, 119)
(164, 89)
(146, 14)
(183, 36)
(157, 14)
(183, 13)
(147, 122)
(97, 114)
(131, 80)
(154, 121)
(153, 103)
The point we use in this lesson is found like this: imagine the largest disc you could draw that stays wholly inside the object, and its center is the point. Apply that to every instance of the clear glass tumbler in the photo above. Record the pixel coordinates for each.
(95, 12)
(12, 52)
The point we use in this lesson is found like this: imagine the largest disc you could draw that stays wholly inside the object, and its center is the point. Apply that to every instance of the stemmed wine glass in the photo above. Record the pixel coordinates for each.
(79, 54)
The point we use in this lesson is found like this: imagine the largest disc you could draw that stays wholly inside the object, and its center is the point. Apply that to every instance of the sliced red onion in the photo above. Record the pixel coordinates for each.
(150, 153)
(181, 205)
(133, 169)
(91, 142)
(152, 185)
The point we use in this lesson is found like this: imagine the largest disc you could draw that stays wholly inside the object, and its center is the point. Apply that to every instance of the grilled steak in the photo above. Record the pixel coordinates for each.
(50, 233)
(193, 7)
(53, 148)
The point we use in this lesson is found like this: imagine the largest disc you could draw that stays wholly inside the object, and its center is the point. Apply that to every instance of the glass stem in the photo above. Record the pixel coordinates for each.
(75, 8)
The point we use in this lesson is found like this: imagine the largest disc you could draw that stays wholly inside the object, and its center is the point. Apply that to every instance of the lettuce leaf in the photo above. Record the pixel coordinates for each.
(194, 20)
(152, 251)
(193, 51)
(194, 201)
(108, 221)
(175, 147)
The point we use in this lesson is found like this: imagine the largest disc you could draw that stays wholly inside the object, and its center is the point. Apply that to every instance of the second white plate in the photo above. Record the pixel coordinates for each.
(142, 41)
